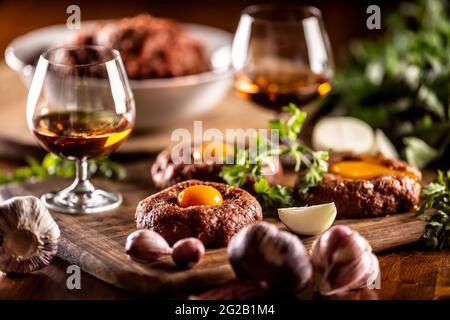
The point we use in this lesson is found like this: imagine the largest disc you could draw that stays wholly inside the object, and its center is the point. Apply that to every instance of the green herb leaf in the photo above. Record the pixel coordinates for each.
(53, 166)
(273, 197)
(436, 197)
(315, 172)
(418, 152)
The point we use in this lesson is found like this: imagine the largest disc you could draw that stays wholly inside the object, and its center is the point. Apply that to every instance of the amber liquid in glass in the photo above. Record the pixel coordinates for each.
(81, 134)
(277, 89)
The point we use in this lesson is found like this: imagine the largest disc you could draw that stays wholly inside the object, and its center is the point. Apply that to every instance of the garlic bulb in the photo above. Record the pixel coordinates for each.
(262, 252)
(342, 261)
(146, 246)
(28, 235)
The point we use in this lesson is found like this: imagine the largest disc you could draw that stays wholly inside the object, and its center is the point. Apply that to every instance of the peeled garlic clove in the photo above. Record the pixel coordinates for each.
(146, 246)
(342, 261)
(28, 235)
(310, 220)
(343, 134)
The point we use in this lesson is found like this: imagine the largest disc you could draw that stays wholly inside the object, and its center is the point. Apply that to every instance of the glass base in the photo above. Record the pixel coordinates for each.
(70, 201)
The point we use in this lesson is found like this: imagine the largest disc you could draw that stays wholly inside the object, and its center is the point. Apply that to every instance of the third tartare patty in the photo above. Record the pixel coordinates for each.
(363, 187)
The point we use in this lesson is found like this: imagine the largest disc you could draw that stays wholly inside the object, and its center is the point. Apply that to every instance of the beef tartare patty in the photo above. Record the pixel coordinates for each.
(165, 172)
(213, 225)
(394, 191)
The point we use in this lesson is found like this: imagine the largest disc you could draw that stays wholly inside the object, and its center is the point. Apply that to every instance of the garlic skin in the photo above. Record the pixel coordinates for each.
(29, 236)
(342, 261)
(146, 246)
(188, 252)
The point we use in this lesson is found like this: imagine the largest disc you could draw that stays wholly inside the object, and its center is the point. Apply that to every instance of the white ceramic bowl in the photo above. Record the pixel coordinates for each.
(159, 102)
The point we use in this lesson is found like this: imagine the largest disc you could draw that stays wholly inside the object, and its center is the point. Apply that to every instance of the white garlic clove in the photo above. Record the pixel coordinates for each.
(311, 220)
(28, 235)
(146, 246)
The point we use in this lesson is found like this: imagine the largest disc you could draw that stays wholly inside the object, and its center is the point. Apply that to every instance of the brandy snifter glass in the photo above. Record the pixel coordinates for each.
(281, 54)
(80, 106)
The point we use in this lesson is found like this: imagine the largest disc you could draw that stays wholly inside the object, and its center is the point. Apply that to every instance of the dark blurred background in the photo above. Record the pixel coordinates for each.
(345, 20)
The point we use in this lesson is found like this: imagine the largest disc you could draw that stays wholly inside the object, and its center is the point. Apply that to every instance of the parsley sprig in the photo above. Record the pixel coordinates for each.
(237, 175)
(273, 197)
(248, 167)
(316, 162)
(436, 197)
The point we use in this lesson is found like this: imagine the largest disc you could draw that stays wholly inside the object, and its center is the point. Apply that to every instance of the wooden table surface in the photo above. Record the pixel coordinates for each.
(409, 273)
(406, 274)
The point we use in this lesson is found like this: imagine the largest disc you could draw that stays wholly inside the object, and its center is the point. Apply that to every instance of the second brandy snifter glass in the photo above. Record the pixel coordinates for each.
(80, 106)
(281, 54)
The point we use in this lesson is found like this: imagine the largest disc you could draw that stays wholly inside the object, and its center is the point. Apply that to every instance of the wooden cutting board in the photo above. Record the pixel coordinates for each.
(96, 242)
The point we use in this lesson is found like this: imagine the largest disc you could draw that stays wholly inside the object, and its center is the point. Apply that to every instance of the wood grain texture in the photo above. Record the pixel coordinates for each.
(50, 284)
(95, 242)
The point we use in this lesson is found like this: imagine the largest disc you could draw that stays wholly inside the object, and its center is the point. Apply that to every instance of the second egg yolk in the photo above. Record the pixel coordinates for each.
(366, 169)
(199, 196)
(214, 150)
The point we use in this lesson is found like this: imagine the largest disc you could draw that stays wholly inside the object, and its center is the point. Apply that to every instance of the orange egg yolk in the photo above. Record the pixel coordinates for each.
(199, 196)
(366, 169)
(213, 150)
(324, 88)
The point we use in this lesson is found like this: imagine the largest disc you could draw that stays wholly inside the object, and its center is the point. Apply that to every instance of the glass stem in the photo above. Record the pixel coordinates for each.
(81, 183)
